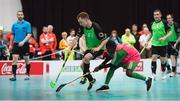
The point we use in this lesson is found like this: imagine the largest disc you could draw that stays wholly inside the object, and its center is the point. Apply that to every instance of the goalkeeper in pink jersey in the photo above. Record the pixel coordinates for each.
(123, 56)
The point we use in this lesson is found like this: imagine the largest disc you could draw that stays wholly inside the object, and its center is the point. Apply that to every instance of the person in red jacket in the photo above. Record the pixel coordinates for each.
(54, 43)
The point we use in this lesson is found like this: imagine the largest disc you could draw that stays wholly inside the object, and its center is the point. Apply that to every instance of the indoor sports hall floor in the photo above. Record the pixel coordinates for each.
(121, 88)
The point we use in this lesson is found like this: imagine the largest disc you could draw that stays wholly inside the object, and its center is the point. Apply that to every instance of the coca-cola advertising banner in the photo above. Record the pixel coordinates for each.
(6, 68)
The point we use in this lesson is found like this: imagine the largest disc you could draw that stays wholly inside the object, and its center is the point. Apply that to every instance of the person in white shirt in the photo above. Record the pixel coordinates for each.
(144, 42)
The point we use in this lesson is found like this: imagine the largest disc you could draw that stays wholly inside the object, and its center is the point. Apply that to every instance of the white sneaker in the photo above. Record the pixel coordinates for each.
(154, 76)
(27, 77)
(172, 74)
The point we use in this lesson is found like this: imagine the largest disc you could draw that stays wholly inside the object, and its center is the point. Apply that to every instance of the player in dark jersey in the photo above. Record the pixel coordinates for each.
(95, 40)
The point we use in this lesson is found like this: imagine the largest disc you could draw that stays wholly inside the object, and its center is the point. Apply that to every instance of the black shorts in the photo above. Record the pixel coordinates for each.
(95, 54)
(171, 50)
(21, 51)
(159, 50)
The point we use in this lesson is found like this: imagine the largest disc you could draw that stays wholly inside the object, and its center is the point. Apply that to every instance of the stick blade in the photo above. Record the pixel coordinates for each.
(60, 87)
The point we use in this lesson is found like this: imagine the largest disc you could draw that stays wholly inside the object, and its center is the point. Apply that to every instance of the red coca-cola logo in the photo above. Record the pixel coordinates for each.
(36, 68)
(7, 69)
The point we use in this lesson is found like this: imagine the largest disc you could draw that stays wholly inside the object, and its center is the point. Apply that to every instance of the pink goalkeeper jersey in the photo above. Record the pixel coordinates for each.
(132, 54)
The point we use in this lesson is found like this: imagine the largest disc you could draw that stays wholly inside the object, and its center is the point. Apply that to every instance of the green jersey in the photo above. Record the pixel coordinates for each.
(93, 35)
(175, 34)
(158, 31)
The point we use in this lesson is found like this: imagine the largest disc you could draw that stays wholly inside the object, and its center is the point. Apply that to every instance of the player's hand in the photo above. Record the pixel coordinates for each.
(21, 43)
(162, 39)
(175, 45)
(95, 49)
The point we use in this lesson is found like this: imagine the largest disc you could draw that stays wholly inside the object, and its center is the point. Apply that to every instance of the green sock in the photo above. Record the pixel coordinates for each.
(138, 76)
(109, 75)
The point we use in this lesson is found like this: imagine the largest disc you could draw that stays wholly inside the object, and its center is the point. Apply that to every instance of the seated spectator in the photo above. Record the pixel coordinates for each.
(114, 37)
(128, 38)
(143, 26)
(136, 36)
(144, 43)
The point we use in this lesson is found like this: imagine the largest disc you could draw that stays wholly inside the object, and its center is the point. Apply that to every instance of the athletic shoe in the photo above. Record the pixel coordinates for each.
(27, 77)
(83, 80)
(172, 74)
(91, 84)
(154, 76)
(103, 88)
(168, 71)
(149, 83)
(13, 79)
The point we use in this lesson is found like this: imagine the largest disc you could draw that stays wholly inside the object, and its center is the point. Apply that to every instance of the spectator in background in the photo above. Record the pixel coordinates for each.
(69, 40)
(54, 43)
(144, 43)
(136, 36)
(45, 42)
(33, 47)
(128, 38)
(4, 52)
(114, 37)
(8, 39)
(143, 26)
(63, 42)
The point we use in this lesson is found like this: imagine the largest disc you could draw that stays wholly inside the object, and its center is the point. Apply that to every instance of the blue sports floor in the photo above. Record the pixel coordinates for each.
(121, 88)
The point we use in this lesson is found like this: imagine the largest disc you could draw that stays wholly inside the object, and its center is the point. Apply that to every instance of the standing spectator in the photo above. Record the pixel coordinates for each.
(136, 36)
(21, 33)
(54, 43)
(144, 38)
(45, 43)
(128, 38)
(159, 41)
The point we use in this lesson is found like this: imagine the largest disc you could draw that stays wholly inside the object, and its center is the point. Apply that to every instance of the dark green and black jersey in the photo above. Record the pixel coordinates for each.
(175, 32)
(159, 30)
(93, 35)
